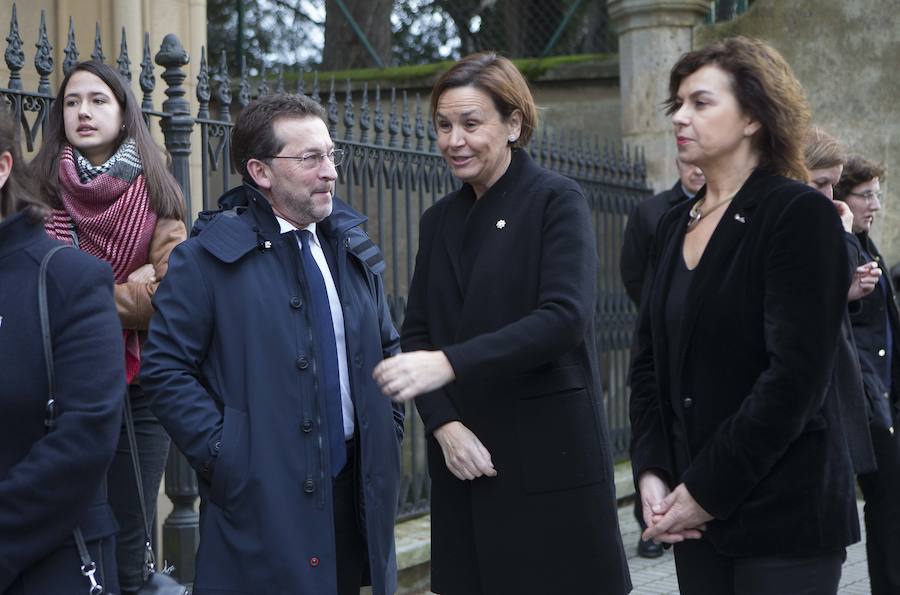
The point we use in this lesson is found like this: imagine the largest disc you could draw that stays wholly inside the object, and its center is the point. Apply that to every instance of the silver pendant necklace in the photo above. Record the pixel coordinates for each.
(696, 214)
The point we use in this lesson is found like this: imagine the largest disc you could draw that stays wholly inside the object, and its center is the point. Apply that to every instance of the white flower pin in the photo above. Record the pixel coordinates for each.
(501, 224)
(740, 218)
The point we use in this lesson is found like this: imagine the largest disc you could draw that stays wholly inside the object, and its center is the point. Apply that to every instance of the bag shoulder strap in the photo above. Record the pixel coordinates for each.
(88, 566)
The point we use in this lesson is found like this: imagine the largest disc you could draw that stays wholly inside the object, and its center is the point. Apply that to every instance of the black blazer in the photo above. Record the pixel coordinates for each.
(763, 451)
(506, 287)
(638, 238)
(870, 317)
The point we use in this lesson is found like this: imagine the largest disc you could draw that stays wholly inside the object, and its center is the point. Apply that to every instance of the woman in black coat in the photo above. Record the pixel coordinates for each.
(52, 481)
(876, 329)
(500, 344)
(736, 440)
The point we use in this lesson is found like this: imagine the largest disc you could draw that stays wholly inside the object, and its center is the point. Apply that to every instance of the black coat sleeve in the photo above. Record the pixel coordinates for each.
(176, 346)
(635, 254)
(436, 408)
(649, 449)
(44, 495)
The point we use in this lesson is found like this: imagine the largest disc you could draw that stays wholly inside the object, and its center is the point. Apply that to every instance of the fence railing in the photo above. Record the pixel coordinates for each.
(392, 174)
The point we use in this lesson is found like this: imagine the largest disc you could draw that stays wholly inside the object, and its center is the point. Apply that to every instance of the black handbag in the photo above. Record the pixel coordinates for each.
(88, 566)
(155, 582)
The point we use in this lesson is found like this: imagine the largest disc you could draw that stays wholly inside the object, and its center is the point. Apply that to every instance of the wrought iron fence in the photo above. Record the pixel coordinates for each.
(392, 174)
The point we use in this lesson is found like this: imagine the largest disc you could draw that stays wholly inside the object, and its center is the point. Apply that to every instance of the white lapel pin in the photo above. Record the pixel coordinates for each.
(739, 217)
(501, 224)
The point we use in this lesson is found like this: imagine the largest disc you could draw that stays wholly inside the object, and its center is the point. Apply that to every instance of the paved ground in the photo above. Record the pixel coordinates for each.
(657, 577)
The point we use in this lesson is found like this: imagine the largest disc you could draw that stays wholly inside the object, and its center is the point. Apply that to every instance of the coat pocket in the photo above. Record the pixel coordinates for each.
(558, 440)
(231, 464)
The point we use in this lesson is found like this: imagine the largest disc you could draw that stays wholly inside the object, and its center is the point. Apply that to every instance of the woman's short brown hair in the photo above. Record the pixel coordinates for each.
(766, 90)
(823, 151)
(19, 193)
(857, 170)
(501, 80)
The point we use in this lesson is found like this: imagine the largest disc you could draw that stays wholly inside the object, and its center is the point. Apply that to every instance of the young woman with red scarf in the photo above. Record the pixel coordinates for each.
(113, 198)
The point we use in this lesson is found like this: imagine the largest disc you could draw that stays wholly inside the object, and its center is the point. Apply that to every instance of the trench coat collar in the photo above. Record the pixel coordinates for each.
(722, 244)
(465, 205)
(246, 222)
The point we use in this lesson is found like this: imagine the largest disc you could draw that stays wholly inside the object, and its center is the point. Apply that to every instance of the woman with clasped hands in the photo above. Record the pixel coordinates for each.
(736, 443)
(500, 350)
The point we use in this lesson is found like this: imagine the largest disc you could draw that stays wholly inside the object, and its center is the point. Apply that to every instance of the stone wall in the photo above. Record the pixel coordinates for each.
(846, 53)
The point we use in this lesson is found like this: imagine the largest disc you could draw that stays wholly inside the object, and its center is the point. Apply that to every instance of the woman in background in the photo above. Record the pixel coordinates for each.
(113, 198)
(876, 329)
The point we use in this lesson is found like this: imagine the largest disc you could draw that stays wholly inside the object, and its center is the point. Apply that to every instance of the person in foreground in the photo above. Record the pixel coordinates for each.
(876, 328)
(113, 198)
(500, 346)
(52, 477)
(736, 443)
(259, 362)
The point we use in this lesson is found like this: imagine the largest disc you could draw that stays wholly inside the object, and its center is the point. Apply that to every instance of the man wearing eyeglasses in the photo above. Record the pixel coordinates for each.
(876, 329)
(259, 363)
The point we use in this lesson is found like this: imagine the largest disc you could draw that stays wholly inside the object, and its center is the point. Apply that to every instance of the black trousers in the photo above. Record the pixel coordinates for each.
(881, 490)
(703, 571)
(350, 543)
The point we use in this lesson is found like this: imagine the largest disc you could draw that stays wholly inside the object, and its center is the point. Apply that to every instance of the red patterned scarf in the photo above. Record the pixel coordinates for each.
(106, 213)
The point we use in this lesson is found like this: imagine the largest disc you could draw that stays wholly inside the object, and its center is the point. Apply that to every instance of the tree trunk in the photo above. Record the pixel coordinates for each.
(530, 24)
(343, 46)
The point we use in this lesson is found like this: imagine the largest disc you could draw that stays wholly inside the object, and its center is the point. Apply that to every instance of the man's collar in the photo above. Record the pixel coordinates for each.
(287, 227)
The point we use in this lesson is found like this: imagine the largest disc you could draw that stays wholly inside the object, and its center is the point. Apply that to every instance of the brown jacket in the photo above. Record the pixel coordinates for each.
(133, 299)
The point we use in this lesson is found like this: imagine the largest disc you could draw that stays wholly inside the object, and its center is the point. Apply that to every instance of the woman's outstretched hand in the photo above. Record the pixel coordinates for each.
(408, 375)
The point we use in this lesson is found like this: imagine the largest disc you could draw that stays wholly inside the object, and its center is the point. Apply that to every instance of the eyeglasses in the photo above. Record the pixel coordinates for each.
(314, 160)
(869, 195)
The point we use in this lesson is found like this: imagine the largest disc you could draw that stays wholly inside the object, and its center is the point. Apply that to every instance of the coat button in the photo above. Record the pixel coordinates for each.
(887, 395)
(881, 352)
(688, 402)
(309, 486)
(217, 446)
(313, 561)
(302, 362)
(307, 426)
(357, 361)
(296, 302)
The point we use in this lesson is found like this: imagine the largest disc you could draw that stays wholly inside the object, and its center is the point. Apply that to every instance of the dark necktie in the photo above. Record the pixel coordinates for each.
(326, 354)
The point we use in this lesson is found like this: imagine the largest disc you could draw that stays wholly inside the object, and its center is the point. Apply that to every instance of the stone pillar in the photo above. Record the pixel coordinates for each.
(653, 34)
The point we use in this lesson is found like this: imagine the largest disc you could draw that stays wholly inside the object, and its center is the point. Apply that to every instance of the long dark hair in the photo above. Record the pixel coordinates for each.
(166, 198)
(18, 194)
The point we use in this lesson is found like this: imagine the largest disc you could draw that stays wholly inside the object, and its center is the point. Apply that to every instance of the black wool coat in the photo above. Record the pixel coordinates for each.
(763, 450)
(638, 238)
(871, 316)
(51, 482)
(506, 287)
